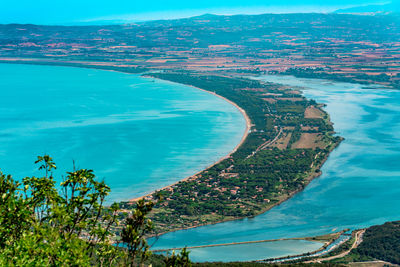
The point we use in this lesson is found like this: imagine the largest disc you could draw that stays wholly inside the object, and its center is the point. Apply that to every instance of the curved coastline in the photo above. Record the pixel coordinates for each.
(243, 139)
(314, 173)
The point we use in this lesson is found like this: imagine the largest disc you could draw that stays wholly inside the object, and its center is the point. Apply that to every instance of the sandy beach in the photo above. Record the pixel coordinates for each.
(245, 134)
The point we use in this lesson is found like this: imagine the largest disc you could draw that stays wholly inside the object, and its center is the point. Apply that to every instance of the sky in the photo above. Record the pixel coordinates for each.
(71, 12)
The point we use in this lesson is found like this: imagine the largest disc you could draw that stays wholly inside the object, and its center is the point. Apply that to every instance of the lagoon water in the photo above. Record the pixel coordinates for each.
(359, 187)
(255, 251)
(136, 133)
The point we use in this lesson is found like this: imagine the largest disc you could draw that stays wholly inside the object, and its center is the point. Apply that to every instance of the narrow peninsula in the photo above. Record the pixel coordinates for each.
(289, 139)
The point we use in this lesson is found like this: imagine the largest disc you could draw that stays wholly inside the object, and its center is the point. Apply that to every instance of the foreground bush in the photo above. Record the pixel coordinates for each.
(41, 225)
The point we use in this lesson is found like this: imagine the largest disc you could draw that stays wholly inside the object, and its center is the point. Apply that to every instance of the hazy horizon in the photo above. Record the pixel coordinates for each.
(95, 12)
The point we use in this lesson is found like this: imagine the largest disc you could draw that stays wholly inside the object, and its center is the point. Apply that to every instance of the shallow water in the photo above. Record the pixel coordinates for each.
(359, 187)
(136, 133)
(257, 251)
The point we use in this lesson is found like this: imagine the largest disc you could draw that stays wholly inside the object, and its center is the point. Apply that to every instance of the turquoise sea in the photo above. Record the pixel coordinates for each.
(359, 187)
(138, 134)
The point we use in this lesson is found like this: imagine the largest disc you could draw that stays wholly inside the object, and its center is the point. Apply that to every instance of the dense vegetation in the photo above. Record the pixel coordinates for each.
(378, 243)
(381, 242)
(43, 226)
(257, 176)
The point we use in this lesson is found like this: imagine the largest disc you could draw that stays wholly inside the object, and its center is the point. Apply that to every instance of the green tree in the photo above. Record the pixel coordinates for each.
(178, 260)
(133, 235)
(43, 226)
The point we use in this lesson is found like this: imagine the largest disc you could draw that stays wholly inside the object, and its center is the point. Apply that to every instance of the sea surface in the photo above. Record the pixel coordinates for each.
(138, 134)
(359, 187)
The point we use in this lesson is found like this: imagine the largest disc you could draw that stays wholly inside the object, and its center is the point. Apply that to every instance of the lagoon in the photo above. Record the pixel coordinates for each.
(359, 187)
(137, 133)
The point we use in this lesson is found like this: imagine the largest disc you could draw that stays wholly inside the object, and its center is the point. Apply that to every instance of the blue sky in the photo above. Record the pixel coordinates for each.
(90, 11)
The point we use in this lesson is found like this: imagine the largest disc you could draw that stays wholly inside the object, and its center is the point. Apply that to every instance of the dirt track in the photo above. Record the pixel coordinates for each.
(358, 239)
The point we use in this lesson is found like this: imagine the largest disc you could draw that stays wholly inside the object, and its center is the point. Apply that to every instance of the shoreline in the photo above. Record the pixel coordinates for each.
(241, 243)
(243, 139)
(311, 176)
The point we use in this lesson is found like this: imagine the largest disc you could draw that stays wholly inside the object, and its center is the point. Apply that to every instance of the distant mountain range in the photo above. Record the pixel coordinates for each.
(393, 7)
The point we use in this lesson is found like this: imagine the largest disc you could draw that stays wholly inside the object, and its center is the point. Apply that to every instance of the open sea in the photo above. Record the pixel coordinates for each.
(138, 134)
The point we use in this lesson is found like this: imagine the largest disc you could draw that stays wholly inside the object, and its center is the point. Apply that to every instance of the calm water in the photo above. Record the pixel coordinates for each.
(360, 185)
(136, 133)
(257, 251)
